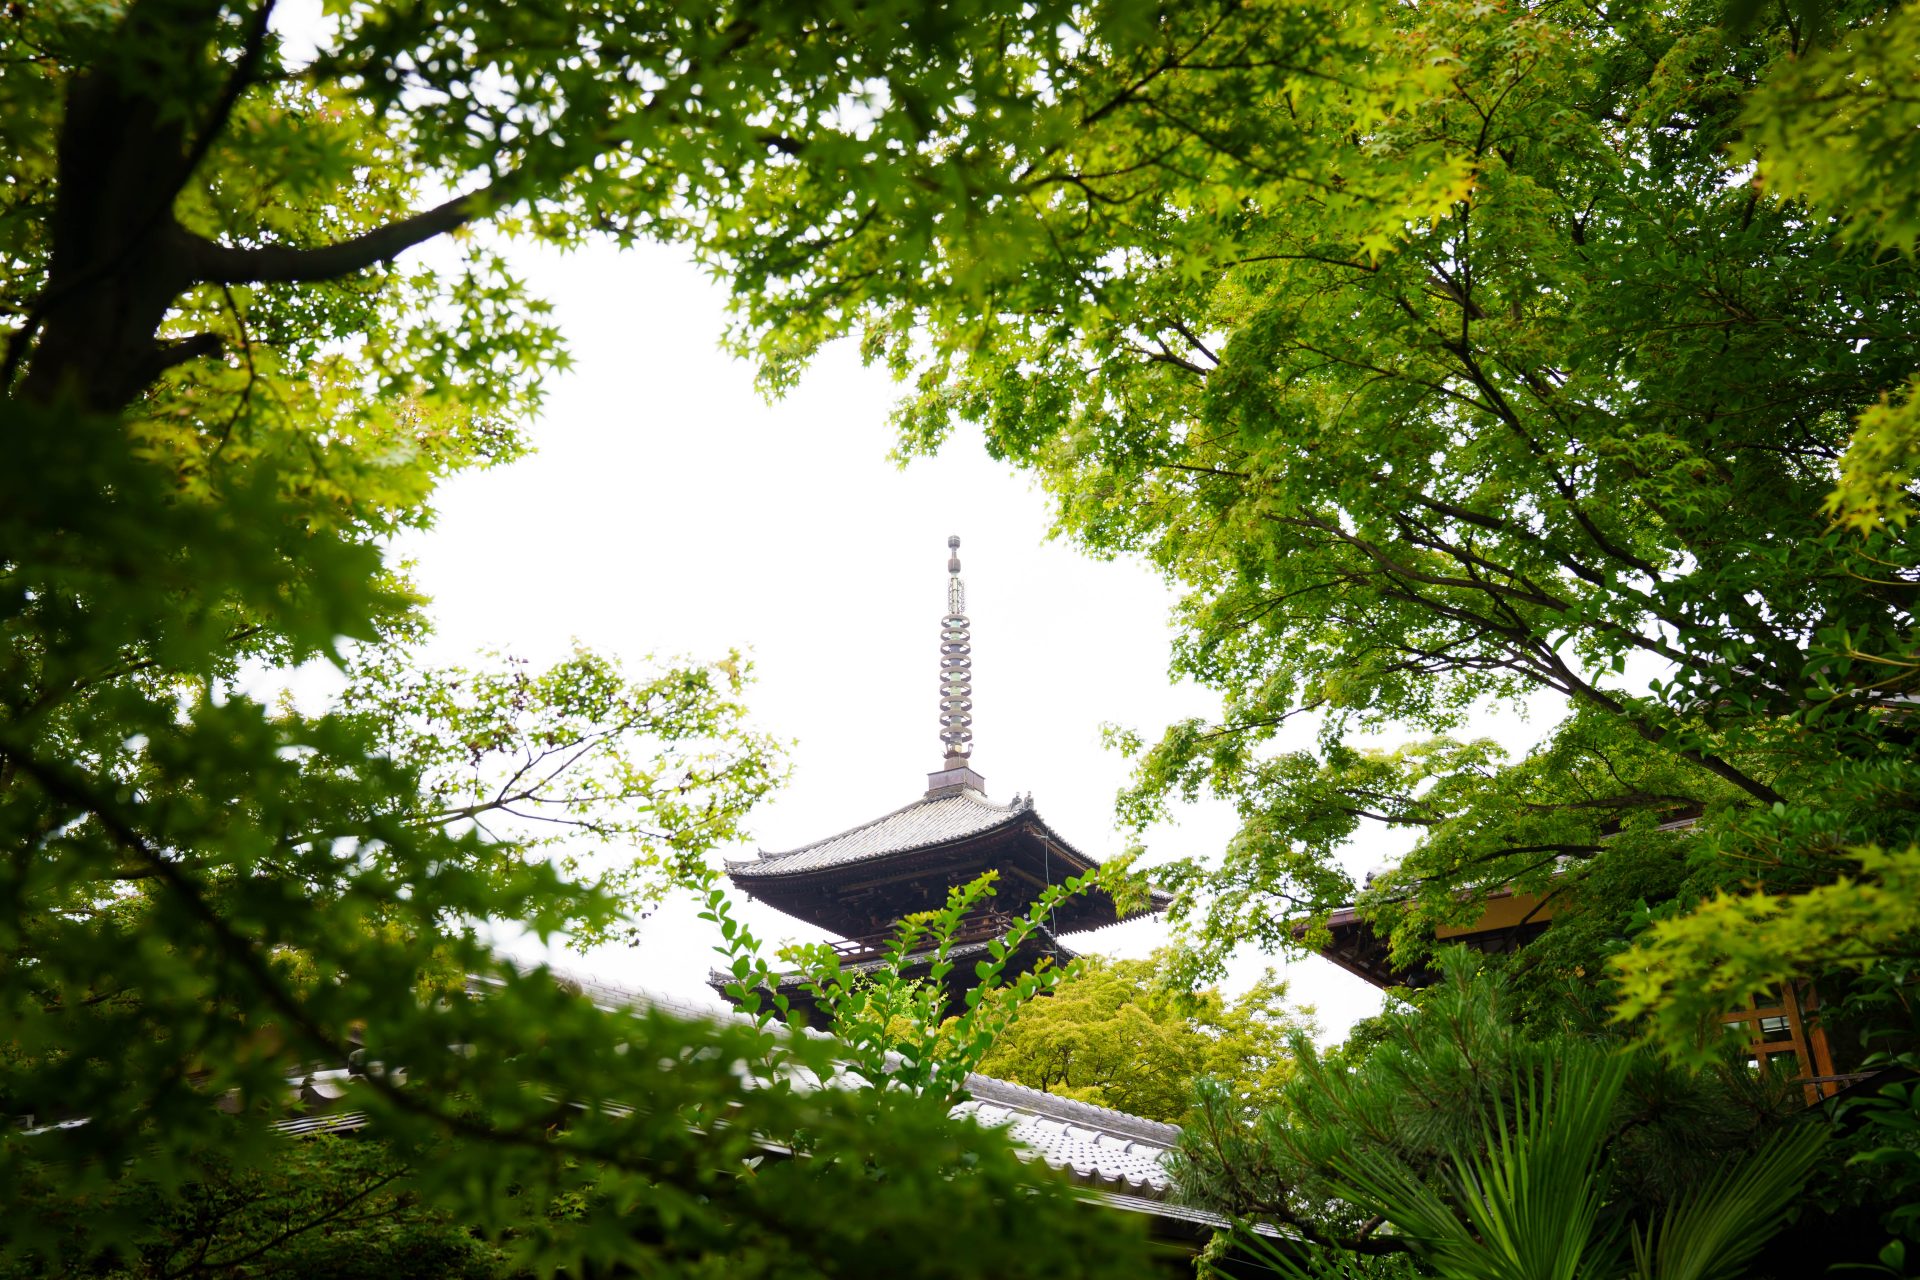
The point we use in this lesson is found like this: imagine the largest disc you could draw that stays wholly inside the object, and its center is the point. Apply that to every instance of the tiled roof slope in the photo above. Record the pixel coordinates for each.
(924, 823)
(1095, 1145)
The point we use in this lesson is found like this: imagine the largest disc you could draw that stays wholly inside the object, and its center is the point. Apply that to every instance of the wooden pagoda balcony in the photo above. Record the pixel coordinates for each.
(978, 926)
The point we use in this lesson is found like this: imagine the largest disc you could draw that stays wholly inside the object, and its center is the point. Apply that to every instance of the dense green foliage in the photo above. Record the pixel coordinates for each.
(1532, 1197)
(1443, 355)
(221, 393)
(1113, 1035)
(329, 1208)
(1426, 1083)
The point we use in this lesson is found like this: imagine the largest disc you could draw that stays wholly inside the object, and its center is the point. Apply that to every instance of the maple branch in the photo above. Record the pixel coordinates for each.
(279, 264)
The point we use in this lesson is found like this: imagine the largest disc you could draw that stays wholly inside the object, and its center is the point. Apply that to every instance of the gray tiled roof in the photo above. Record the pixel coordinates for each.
(923, 823)
(1020, 1097)
(1098, 1146)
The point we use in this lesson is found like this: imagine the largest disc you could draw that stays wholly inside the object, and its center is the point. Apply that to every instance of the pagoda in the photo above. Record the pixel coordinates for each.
(862, 881)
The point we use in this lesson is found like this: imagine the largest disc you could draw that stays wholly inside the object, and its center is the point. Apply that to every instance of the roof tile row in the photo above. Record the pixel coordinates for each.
(921, 824)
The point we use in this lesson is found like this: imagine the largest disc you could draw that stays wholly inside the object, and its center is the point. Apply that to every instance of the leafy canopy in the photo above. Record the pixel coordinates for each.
(1113, 1035)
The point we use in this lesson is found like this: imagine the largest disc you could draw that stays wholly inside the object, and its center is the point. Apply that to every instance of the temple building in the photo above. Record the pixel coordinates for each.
(1509, 922)
(1781, 1035)
(861, 882)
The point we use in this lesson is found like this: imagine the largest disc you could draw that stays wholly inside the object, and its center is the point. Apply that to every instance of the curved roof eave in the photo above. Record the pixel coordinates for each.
(920, 827)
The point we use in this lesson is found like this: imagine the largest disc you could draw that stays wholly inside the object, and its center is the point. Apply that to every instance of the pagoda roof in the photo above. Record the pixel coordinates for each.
(862, 879)
(927, 823)
(1042, 939)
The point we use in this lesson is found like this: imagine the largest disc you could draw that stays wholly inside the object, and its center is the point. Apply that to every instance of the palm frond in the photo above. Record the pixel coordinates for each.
(1528, 1205)
(1712, 1233)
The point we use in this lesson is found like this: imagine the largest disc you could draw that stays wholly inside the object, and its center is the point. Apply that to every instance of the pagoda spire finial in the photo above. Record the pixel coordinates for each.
(955, 774)
(956, 666)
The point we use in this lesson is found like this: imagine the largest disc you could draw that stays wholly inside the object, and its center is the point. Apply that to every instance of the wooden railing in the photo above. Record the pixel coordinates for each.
(977, 927)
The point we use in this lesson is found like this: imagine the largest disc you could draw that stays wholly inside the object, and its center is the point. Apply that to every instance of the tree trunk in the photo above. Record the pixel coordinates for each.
(118, 257)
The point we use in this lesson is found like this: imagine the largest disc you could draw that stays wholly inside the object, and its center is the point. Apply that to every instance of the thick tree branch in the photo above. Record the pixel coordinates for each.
(278, 264)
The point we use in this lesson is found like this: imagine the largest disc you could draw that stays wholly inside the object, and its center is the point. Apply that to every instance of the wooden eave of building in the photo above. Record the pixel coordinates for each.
(863, 879)
(1508, 922)
(1783, 1038)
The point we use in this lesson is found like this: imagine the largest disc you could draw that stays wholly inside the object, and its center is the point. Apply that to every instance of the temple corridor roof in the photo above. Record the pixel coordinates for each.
(1096, 1146)
(1107, 1150)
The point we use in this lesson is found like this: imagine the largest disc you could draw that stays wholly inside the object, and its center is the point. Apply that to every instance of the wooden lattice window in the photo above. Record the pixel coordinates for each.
(1781, 1038)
